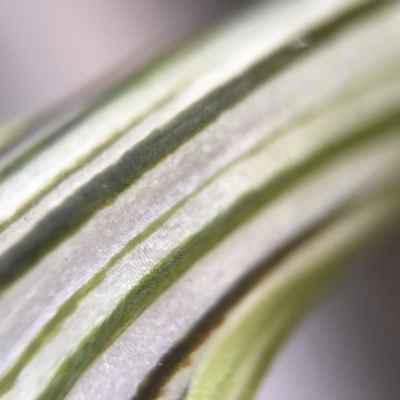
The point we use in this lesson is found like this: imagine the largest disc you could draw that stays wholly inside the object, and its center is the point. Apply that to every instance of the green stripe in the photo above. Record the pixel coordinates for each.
(178, 356)
(126, 85)
(170, 363)
(179, 260)
(90, 106)
(102, 189)
(89, 156)
(68, 307)
(242, 348)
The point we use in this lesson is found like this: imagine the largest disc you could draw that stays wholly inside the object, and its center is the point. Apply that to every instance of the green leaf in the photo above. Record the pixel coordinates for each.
(163, 241)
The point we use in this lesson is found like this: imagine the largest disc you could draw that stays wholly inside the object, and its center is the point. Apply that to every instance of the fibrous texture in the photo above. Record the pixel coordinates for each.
(162, 242)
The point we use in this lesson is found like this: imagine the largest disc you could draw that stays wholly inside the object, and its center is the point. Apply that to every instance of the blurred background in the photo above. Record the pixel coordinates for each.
(53, 50)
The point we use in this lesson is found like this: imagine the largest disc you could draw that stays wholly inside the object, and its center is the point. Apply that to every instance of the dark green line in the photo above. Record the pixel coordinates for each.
(100, 98)
(175, 358)
(50, 328)
(125, 85)
(65, 219)
(50, 135)
(89, 156)
(71, 303)
(186, 254)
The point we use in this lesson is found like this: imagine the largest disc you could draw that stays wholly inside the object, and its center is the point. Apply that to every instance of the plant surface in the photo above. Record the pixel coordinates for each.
(163, 242)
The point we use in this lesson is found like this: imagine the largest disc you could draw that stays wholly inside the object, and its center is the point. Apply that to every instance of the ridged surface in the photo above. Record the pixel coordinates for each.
(141, 242)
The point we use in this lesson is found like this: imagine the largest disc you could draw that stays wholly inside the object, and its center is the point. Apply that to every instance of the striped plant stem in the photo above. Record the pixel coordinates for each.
(163, 241)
